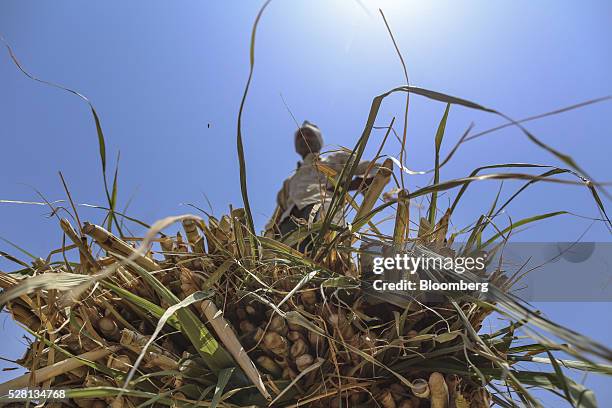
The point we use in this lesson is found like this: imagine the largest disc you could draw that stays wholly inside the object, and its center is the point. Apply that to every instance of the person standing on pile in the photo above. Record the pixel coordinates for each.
(307, 194)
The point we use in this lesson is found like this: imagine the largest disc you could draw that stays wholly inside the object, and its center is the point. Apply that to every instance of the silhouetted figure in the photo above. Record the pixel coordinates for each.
(306, 195)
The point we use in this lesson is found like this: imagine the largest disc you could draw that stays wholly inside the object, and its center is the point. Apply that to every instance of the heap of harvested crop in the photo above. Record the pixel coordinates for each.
(218, 316)
(267, 329)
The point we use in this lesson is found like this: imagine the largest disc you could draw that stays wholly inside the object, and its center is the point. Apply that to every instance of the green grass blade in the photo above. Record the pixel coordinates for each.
(450, 184)
(113, 199)
(217, 274)
(441, 97)
(578, 365)
(168, 313)
(348, 172)
(105, 392)
(215, 356)
(561, 378)
(520, 223)
(121, 214)
(224, 377)
(439, 137)
(583, 397)
(239, 142)
(402, 158)
(16, 260)
(142, 303)
(20, 249)
(99, 132)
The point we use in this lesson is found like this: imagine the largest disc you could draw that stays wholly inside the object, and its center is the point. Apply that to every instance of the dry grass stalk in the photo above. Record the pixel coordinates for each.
(43, 374)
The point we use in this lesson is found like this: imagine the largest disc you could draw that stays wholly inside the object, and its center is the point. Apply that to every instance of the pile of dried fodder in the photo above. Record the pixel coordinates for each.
(219, 316)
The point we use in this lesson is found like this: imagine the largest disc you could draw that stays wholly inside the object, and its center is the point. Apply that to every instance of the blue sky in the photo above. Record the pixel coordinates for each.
(159, 73)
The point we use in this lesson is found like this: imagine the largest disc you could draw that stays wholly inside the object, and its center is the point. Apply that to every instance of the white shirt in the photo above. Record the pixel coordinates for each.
(309, 185)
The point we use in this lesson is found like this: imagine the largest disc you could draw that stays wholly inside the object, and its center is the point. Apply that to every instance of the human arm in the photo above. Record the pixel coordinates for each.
(364, 173)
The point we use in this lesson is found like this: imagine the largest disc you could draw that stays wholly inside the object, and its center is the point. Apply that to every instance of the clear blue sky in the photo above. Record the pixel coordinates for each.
(160, 72)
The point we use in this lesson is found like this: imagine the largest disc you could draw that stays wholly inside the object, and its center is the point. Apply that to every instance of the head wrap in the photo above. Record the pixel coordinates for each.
(314, 128)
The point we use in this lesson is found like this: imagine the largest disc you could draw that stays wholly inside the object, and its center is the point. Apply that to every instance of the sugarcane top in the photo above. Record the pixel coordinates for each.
(309, 184)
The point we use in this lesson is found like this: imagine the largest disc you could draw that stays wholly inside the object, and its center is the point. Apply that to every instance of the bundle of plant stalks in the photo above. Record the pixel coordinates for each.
(219, 316)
